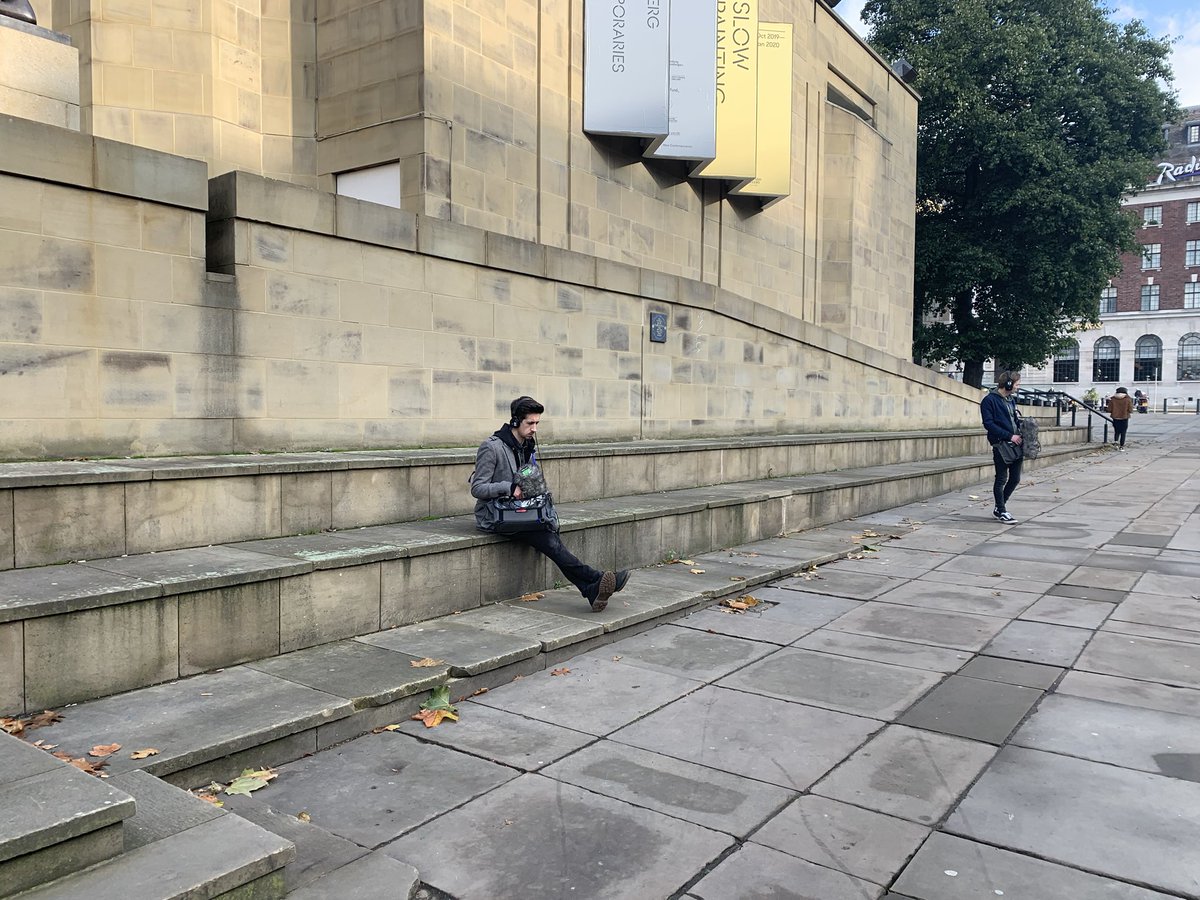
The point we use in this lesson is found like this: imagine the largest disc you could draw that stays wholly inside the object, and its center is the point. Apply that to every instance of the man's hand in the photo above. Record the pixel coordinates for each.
(516, 493)
(1016, 439)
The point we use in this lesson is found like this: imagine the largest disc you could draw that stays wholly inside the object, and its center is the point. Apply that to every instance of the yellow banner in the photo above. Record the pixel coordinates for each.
(773, 167)
(737, 87)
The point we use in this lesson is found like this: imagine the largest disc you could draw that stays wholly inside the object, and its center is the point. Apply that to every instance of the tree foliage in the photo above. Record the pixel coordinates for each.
(1036, 117)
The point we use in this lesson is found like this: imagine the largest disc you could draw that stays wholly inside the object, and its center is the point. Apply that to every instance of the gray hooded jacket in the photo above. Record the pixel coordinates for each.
(495, 473)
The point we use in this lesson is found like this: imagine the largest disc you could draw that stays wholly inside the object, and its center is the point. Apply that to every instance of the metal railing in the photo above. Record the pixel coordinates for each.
(1064, 402)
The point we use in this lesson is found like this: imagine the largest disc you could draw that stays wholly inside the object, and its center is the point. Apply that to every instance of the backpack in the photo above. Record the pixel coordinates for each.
(1028, 429)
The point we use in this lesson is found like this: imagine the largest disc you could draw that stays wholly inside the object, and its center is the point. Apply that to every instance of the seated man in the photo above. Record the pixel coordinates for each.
(496, 465)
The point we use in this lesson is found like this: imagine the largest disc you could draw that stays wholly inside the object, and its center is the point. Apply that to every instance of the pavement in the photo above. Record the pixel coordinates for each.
(972, 710)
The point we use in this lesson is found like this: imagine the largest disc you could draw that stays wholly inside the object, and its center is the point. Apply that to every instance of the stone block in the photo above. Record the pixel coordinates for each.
(508, 569)
(7, 536)
(569, 266)
(327, 605)
(438, 237)
(515, 255)
(378, 496)
(23, 146)
(97, 652)
(137, 172)
(12, 668)
(373, 223)
(166, 514)
(306, 502)
(424, 587)
(68, 523)
(243, 195)
(227, 626)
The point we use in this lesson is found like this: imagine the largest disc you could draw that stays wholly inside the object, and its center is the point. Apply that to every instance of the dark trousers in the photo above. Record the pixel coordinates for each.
(548, 543)
(1120, 426)
(1007, 478)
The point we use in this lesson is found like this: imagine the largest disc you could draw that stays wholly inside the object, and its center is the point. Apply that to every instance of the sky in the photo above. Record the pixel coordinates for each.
(1176, 18)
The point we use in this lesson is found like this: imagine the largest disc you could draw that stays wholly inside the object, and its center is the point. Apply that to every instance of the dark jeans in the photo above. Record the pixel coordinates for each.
(1007, 478)
(548, 543)
(1120, 426)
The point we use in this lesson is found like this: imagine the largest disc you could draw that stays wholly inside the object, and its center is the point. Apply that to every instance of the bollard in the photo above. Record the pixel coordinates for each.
(1057, 414)
(1164, 406)
(1089, 427)
(1198, 407)
(1106, 431)
(1073, 411)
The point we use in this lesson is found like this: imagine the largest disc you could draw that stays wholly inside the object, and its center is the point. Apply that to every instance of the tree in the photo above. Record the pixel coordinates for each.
(1036, 117)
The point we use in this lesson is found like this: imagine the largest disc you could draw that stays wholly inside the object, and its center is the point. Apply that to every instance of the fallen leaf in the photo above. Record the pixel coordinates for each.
(740, 604)
(697, 571)
(972, 496)
(42, 719)
(1056, 491)
(303, 816)
(682, 562)
(562, 671)
(737, 577)
(425, 663)
(480, 691)
(530, 597)
(434, 717)
(855, 556)
(383, 728)
(437, 707)
(250, 780)
(143, 754)
(91, 768)
(996, 594)
(103, 750)
(12, 726)
(995, 574)
(209, 798)
(617, 658)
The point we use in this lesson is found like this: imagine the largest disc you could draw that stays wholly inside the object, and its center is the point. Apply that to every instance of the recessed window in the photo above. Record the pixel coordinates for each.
(1108, 300)
(1189, 357)
(1151, 216)
(1193, 212)
(1193, 134)
(1191, 295)
(1106, 359)
(1152, 256)
(1191, 256)
(1150, 297)
(1147, 359)
(1066, 364)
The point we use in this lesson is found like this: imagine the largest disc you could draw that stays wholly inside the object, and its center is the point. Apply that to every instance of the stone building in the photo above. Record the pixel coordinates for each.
(147, 309)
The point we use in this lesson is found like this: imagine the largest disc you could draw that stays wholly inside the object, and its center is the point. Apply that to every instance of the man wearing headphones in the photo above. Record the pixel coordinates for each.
(1000, 418)
(496, 465)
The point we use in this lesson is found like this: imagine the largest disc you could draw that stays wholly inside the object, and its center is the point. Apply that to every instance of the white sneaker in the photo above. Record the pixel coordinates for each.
(1005, 517)
(1122, 449)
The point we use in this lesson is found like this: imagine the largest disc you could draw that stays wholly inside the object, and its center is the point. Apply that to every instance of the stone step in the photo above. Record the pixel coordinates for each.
(56, 818)
(132, 621)
(211, 726)
(179, 848)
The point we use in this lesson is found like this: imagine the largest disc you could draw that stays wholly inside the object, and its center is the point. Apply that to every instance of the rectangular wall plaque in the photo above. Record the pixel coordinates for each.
(692, 105)
(773, 167)
(626, 64)
(737, 89)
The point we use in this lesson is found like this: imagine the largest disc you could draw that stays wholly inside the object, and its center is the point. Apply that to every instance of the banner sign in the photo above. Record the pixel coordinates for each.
(626, 64)
(737, 91)
(692, 106)
(773, 167)
(1168, 172)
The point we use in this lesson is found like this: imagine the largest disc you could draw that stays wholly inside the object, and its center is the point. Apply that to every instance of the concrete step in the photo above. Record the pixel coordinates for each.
(211, 726)
(179, 848)
(56, 818)
(127, 622)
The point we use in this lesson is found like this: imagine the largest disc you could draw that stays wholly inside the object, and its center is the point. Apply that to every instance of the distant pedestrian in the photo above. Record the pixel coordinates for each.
(1002, 421)
(1120, 407)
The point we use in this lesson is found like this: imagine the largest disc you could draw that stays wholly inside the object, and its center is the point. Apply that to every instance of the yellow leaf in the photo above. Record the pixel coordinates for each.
(425, 663)
(143, 754)
(433, 717)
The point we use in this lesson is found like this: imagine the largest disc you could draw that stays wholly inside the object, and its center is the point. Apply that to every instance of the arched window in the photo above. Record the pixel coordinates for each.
(1106, 360)
(1147, 359)
(1189, 357)
(1066, 364)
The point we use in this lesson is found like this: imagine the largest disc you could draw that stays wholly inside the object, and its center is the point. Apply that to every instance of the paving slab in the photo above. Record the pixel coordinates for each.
(527, 621)
(19, 759)
(536, 837)
(467, 651)
(1038, 642)
(760, 873)
(1166, 585)
(1057, 532)
(1087, 592)
(1127, 825)
(1180, 611)
(894, 561)
(1057, 610)
(364, 674)
(326, 550)
(722, 801)
(855, 686)
(1152, 631)
(685, 652)
(972, 708)
(900, 653)
(596, 697)
(752, 624)
(838, 836)
(960, 598)
(1148, 659)
(1139, 539)
(502, 737)
(161, 809)
(649, 596)
(906, 772)
(940, 628)
(202, 568)
(804, 607)
(1011, 671)
(1162, 743)
(952, 868)
(1142, 694)
(937, 537)
(840, 583)
(1024, 570)
(196, 720)
(371, 875)
(61, 589)
(1108, 579)
(781, 743)
(1031, 552)
(374, 788)
(996, 580)
(716, 578)
(53, 807)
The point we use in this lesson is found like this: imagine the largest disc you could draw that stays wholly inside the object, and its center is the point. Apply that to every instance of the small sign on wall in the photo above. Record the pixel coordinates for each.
(658, 328)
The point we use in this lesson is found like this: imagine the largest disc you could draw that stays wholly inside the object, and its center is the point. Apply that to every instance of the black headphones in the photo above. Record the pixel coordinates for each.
(1008, 385)
(517, 416)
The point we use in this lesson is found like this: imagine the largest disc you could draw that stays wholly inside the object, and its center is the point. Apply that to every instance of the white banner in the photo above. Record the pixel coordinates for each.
(626, 63)
(692, 105)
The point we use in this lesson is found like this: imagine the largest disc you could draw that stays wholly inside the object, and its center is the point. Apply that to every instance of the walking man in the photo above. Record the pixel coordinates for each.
(1120, 407)
(1000, 417)
(497, 463)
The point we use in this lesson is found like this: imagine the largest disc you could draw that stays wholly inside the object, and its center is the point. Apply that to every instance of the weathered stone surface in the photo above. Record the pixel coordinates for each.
(802, 607)
(960, 631)
(1057, 610)
(467, 651)
(1143, 694)
(12, 668)
(960, 598)
(54, 806)
(371, 875)
(503, 737)
(228, 626)
(1052, 645)
(1011, 671)
(950, 868)
(1179, 611)
(162, 809)
(852, 840)
(842, 583)
(325, 551)
(59, 589)
(908, 773)
(202, 568)
(972, 708)
(853, 686)
(528, 621)
(20, 759)
(1128, 825)
(900, 653)
(782, 743)
(645, 597)
(752, 624)
(603, 847)
(722, 801)
(596, 697)
(760, 873)
(684, 652)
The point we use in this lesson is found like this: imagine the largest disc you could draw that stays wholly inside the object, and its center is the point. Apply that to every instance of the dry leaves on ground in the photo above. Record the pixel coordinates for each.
(697, 571)
(17, 725)
(425, 663)
(437, 708)
(250, 780)
(681, 562)
(739, 604)
(530, 597)
(562, 671)
(143, 754)
(100, 751)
